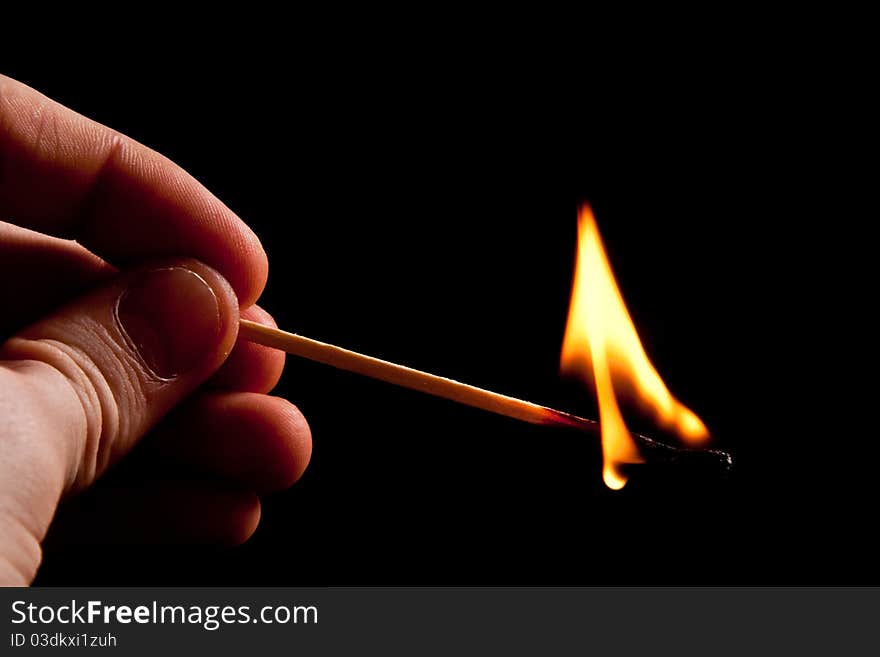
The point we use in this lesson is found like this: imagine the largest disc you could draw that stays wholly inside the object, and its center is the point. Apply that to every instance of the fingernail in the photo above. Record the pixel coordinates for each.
(171, 317)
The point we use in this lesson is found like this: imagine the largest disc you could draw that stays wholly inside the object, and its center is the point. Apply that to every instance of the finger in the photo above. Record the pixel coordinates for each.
(104, 369)
(258, 442)
(68, 176)
(57, 270)
(38, 273)
(251, 367)
(158, 512)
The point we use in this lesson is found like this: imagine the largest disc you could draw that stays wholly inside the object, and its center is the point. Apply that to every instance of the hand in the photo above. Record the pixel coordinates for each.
(130, 330)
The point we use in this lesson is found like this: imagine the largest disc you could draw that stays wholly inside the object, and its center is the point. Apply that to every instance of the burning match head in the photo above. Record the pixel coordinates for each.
(660, 459)
(685, 462)
(601, 346)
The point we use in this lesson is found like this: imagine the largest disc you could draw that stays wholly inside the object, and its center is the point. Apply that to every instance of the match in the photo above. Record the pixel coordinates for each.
(463, 393)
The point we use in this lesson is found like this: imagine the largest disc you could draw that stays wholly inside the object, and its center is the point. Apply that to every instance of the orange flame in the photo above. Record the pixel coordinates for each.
(601, 341)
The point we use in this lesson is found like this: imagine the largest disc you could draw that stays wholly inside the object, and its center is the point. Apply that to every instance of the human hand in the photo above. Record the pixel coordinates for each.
(129, 331)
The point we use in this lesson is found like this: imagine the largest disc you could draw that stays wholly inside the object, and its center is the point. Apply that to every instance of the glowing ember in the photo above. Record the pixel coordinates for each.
(601, 344)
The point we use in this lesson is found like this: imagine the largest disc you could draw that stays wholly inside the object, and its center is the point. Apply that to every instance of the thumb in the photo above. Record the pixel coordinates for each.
(93, 377)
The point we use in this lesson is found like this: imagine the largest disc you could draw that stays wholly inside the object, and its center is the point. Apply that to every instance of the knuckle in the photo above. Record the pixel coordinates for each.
(104, 392)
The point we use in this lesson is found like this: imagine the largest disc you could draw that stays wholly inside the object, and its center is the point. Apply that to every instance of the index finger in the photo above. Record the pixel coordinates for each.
(66, 175)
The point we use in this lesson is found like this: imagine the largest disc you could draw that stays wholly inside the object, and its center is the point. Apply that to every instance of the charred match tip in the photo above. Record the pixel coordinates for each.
(699, 461)
(657, 455)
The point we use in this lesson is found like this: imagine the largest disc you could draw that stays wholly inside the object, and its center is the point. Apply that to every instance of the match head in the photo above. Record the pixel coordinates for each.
(661, 459)
(685, 462)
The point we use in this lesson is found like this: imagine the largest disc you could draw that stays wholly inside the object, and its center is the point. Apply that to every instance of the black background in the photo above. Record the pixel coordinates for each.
(417, 199)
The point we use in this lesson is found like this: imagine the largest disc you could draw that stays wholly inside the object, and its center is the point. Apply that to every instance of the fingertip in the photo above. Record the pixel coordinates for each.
(280, 444)
(252, 270)
(227, 304)
(260, 315)
(244, 518)
(254, 441)
(251, 367)
(225, 241)
(298, 448)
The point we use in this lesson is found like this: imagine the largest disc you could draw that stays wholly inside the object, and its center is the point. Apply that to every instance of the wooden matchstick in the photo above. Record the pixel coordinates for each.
(408, 377)
(461, 393)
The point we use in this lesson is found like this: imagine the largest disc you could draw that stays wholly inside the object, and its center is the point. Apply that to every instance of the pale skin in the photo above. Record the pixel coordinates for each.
(93, 226)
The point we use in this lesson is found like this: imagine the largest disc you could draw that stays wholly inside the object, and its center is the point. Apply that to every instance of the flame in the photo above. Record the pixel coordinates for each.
(601, 341)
